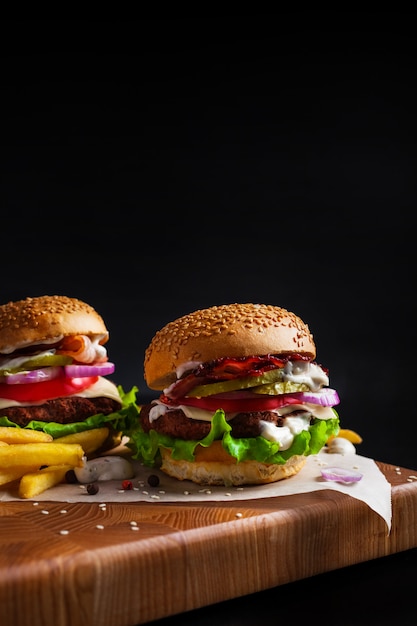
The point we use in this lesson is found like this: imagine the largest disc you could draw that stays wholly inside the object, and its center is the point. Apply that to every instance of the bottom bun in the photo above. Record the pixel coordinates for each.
(228, 471)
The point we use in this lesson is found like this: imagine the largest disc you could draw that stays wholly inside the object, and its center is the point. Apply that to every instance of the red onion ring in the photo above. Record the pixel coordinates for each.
(324, 397)
(98, 369)
(341, 475)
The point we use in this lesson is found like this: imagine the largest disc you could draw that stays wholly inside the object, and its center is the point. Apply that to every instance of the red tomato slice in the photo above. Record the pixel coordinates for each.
(56, 388)
(239, 405)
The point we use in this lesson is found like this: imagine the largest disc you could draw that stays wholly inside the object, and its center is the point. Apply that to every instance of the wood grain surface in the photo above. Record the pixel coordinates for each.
(125, 564)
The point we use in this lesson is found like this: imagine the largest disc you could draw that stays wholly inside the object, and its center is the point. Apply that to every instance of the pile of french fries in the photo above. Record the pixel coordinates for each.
(40, 462)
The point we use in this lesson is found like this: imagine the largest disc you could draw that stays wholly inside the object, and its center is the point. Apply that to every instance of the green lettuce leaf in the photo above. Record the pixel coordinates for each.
(146, 446)
(124, 420)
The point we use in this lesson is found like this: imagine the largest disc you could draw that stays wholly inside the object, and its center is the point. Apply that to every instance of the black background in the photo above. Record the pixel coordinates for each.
(152, 167)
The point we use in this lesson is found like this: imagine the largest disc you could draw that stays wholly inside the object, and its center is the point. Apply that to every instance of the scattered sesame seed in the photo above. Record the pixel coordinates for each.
(145, 493)
(239, 514)
(228, 493)
(44, 512)
(100, 526)
(63, 532)
(134, 527)
(155, 496)
(186, 493)
(63, 511)
(36, 504)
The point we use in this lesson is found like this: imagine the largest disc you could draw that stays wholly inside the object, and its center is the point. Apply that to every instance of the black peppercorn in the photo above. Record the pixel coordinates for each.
(92, 489)
(153, 480)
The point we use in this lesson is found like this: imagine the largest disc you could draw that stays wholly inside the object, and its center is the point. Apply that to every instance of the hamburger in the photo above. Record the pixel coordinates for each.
(54, 370)
(242, 400)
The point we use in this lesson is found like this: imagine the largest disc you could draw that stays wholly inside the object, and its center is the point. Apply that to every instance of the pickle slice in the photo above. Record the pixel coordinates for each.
(39, 360)
(43, 360)
(223, 386)
(285, 386)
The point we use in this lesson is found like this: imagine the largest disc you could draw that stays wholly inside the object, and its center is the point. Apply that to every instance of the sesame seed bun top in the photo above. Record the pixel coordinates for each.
(229, 330)
(45, 318)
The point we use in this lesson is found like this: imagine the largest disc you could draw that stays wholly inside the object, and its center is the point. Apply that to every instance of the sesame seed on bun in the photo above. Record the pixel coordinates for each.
(44, 319)
(233, 330)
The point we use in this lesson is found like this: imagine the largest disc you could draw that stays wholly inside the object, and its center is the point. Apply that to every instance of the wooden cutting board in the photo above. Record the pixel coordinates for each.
(125, 564)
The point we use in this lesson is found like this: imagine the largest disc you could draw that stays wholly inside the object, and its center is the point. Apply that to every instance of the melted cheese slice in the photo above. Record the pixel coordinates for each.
(102, 388)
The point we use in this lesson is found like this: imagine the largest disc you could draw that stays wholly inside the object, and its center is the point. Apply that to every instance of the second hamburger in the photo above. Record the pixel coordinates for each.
(54, 370)
(243, 400)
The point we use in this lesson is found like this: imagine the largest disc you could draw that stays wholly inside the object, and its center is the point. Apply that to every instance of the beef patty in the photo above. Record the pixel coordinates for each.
(60, 410)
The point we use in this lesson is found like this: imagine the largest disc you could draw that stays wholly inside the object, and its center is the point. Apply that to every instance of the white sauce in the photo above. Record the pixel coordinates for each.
(341, 445)
(104, 468)
(304, 372)
(284, 435)
(187, 367)
(93, 351)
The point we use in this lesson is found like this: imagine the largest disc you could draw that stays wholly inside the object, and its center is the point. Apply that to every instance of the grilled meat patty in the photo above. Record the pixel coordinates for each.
(60, 410)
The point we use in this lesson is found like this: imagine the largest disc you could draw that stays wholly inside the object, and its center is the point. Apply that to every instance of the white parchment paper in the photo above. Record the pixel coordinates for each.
(373, 489)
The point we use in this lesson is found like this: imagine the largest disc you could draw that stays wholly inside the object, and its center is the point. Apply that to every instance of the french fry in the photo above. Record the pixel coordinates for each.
(348, 434)
(38, 454)
(3, 443)
(9, 474)
(34, 483)
(22, 435)
(351, 435)
(89, 440)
